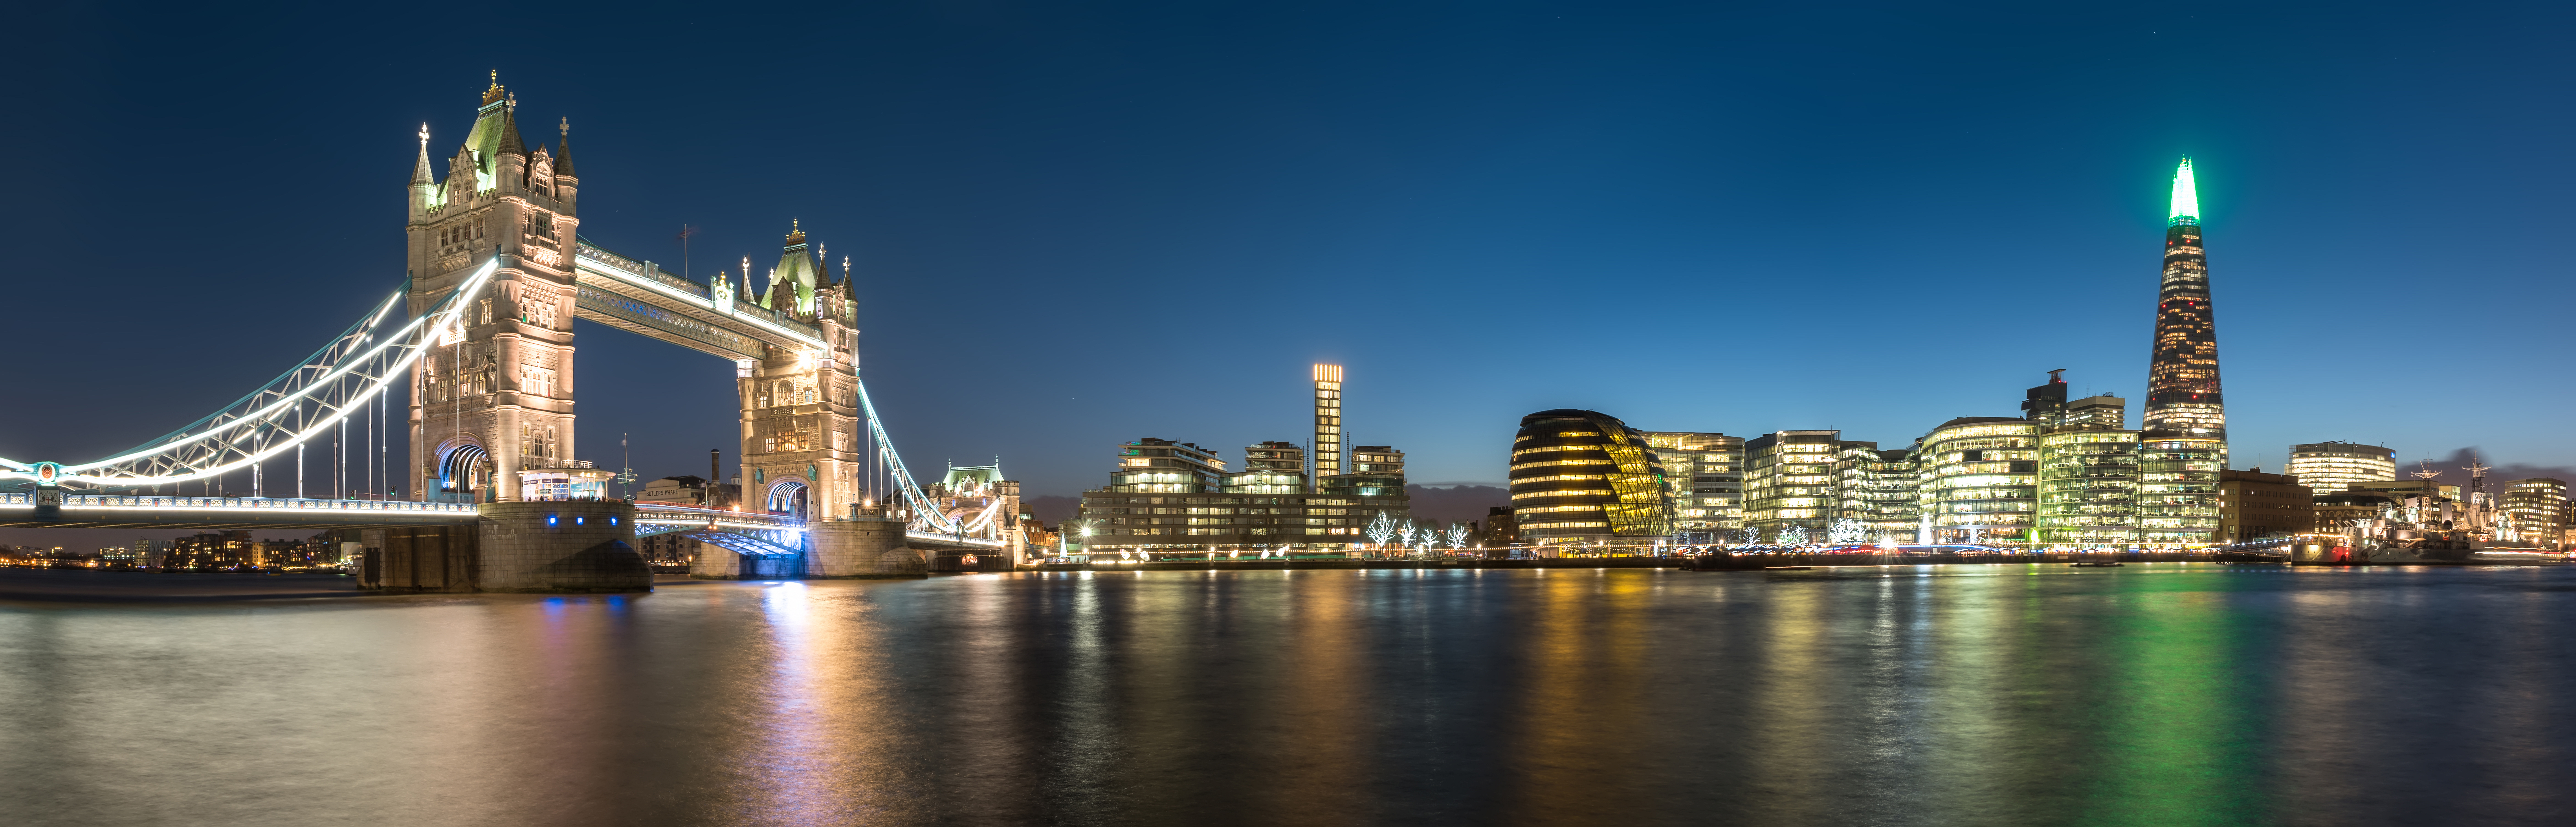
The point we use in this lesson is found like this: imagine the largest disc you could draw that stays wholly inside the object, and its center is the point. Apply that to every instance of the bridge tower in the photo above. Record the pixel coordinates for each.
(802, 429)
(498, 398)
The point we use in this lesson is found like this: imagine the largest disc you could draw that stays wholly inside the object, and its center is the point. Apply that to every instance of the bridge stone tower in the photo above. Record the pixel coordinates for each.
(498, 398)
(801, 424)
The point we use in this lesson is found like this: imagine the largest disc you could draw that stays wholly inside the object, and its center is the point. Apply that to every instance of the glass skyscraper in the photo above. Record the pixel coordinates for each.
(2184, 438)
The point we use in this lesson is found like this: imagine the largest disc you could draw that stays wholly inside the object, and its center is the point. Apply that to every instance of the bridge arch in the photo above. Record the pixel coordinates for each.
(464, 472)
(790, 497)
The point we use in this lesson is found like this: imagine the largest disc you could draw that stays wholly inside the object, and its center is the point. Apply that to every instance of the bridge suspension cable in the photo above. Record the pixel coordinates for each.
(305, 402)
(925, 511)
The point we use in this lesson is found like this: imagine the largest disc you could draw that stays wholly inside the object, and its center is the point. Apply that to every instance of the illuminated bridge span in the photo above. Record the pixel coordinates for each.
(476, 351)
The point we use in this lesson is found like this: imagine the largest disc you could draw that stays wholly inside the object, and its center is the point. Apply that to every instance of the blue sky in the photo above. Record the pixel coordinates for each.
(1078, 224)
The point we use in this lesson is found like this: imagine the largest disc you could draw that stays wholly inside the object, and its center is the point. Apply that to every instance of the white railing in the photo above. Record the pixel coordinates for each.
(150, 502)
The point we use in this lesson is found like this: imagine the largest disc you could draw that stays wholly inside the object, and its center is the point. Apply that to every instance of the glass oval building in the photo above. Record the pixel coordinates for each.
(1584, 477)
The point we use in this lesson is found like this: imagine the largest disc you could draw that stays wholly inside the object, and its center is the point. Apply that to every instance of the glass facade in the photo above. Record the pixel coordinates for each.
(2327, 467)
(1704, 474)
(2088, 488)
(2178, 489)
(1789, 485)
(2536, 511)
(1980, 480)
(1877, 487)
(1584, 476)
(2185, 422)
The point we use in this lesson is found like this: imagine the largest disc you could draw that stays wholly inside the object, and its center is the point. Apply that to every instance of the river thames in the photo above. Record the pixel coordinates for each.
(2152, 694)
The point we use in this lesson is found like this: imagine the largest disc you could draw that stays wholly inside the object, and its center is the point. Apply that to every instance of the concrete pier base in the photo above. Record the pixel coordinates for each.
(556, 547)
(861, 547)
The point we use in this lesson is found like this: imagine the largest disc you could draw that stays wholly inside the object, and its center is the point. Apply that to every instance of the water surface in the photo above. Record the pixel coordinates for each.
(2156, 694)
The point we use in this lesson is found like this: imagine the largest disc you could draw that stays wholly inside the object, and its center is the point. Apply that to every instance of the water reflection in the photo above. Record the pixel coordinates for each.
(1934, 695)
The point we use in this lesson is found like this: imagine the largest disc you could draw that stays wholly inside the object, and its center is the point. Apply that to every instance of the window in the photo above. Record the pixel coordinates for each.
(536, 380)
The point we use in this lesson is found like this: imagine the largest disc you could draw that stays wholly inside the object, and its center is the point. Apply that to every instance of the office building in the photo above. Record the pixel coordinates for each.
(2334, 465)
(1980, 480)
(1704, 474)
(2536, 510)
(2184, 439)
(2099, 412)
(2088, 468)
(1584, 477)
(1789, 494)
(1876, 488)
(2253, 505)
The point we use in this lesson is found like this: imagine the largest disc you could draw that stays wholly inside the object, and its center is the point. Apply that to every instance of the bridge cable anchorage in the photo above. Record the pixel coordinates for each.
(303, 403)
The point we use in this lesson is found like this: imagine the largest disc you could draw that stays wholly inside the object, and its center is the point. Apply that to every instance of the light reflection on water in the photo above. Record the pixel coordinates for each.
(1934, 695)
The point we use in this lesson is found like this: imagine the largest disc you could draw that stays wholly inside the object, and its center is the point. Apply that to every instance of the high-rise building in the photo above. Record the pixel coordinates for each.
(1980, 480)
(2334, 465)
(2185, 422)
(2088, 468)
(1877, 487)
(1586, 477)
(1789, 484)
(1328, 423)
(1704, 472)
(2102, 412)
(2537, 510)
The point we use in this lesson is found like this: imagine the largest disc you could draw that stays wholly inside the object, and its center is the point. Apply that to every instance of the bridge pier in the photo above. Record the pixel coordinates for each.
(862, 547)
(563, 546)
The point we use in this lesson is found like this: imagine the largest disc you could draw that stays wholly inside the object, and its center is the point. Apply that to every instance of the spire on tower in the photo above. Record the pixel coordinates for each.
(563, 156)
(494, 93)
(2186, 197)
(420, 169)
(510, 143)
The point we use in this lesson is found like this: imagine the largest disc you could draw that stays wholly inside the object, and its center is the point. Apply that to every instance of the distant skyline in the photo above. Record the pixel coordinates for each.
(1077, 227)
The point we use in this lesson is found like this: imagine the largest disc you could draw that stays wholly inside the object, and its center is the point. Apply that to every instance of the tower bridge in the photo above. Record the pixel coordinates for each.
(483, 350)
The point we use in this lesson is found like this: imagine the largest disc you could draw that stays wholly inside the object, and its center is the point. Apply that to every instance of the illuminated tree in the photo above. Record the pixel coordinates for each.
(1795, 535)
(1381, 529)
(1846, 532)
(1457, 535)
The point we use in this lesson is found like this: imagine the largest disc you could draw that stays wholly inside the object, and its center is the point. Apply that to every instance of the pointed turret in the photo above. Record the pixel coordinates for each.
(797, 270)
(510, 143)
(2186, 197)
(420, 169)
(424, 186)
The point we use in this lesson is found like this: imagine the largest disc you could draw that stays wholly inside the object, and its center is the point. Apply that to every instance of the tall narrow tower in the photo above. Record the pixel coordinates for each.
(497, 398)
(1328, 424)
(2185, 423)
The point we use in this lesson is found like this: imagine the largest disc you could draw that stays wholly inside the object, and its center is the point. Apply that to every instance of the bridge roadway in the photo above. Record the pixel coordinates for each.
(151, 511)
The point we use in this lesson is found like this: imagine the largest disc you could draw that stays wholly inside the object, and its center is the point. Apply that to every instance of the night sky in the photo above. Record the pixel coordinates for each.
(1079, 224)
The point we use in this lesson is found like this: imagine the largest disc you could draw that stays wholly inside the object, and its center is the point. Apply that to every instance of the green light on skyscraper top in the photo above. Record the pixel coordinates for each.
(2186, 198)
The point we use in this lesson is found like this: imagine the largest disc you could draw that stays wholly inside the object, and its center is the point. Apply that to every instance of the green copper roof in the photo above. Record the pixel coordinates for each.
(2186, 197)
